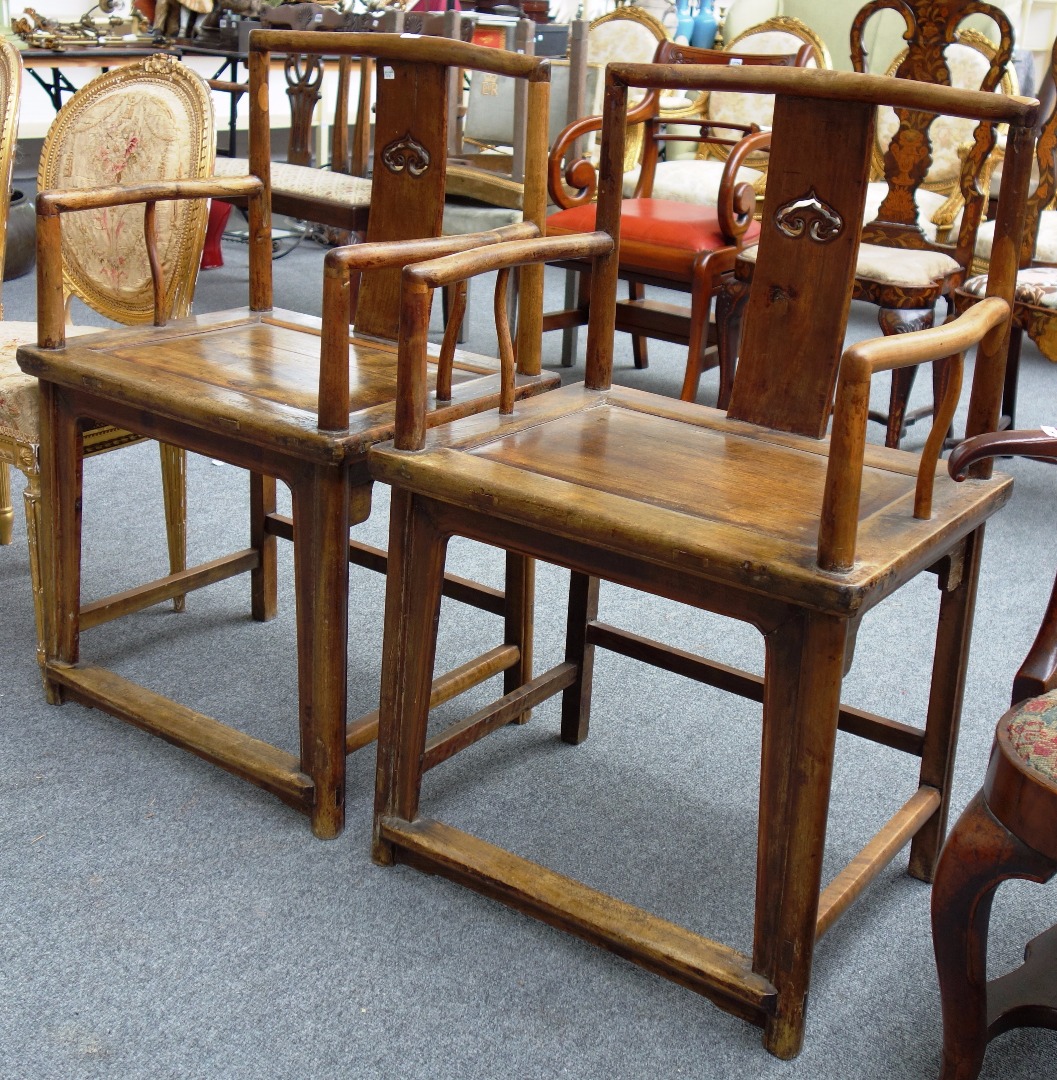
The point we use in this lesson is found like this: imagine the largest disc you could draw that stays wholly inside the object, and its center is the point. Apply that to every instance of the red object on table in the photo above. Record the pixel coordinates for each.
(212, 255)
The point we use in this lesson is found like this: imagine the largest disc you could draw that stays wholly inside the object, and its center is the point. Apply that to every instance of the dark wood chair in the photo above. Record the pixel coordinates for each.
(904, 268)
(665, 242)
(752, 514)
(290, 398)
(1007, 831)
(1035, 305)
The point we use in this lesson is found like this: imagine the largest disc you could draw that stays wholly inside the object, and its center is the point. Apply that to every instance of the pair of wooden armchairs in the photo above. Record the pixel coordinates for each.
(753, 514)
(927, 169)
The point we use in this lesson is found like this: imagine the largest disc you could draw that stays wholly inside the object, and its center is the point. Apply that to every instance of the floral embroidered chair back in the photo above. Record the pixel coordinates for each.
(146, 121)
(10, 87)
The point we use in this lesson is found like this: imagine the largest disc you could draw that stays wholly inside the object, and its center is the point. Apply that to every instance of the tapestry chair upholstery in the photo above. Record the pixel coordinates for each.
(296, 399)
(753, 514)
(146, 121)
(1006, 831)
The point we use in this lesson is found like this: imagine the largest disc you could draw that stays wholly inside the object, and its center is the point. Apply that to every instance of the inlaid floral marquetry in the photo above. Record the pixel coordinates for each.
(406, 153)
(811, 216)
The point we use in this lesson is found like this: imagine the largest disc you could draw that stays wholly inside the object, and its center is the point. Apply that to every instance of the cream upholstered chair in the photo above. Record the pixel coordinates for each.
(150, 120)
(692, 171)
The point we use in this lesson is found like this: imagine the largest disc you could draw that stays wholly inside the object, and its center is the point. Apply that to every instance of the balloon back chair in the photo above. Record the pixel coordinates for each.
(289, 397)
(753, 514)
(1007, 831)
(147, 121)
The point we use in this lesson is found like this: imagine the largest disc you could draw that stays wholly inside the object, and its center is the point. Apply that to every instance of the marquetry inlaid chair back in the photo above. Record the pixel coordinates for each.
(1035, 308)
(1006, 831)
(139, 123)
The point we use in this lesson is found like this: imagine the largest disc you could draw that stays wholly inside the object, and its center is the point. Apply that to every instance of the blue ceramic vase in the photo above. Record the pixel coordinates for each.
(705, 26)
(684, 21)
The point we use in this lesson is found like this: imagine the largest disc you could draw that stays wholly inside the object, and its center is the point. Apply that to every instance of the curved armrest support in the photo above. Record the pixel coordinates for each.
(418, 284)
(581, 175)
(51, 306)
(840, 506)
(737, 202)
(1038, 673)
(338, 268)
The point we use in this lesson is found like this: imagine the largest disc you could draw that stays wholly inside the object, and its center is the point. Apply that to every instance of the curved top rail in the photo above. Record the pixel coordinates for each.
(831, 86)
(428, 49)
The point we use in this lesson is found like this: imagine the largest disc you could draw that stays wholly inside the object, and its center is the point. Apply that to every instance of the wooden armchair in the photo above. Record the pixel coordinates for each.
(289, 398)
(150, 120)
(903, 268)
(752, 514)
(1007, 831)
(1035, 305)
(666, 242)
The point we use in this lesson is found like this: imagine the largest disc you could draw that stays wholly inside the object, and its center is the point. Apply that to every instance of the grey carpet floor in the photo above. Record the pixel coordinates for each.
(159, 918)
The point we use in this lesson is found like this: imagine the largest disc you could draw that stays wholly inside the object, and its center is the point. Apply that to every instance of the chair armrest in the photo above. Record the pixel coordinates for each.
(51, 332)
(417, 287)
(338, 268)
(736, 203)
(1038, 673)
(840, 505)
(581, 175)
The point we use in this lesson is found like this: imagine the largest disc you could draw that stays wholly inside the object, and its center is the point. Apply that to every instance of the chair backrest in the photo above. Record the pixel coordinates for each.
(921, 148)
(775, 37)
(413, 79)
(149, 120)
(1042, 198)
(10, 89)
(802, 285)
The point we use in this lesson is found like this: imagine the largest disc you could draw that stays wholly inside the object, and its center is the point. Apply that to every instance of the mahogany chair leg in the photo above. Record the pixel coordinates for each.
(980, 853)
(576, 699)
(730, 309)
(412, 608)
(700, 309)
(174, 493)
(7, 512)
(639, 348)
(1009, 389)
(899, 321)
(31, 501)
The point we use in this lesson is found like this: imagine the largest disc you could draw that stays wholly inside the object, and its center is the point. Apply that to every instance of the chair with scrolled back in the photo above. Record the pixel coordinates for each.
(905, 268)
(149, 120)
(1006, 831)
(666, 242)
(754, 514)
(295, 399)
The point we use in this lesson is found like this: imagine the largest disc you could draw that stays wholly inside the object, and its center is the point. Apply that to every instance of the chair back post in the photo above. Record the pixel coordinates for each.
(1046, 158)
(524, 42)
(453, 29)
(260, 206)
(10, 91)
(601, 324)
(991, 354)
(576, 103)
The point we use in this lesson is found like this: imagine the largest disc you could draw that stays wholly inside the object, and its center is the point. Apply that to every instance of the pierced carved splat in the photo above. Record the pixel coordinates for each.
(406, 153)
(811, 216)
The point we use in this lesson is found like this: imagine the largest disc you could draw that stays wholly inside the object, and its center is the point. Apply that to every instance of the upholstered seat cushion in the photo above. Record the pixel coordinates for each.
(894, 266)
(1032, 730)
(1045, 245)
(19, 396)
(304, 181)
(653, 231)
(1036, 286)
(690, 180)
(465, 216)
